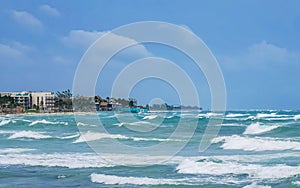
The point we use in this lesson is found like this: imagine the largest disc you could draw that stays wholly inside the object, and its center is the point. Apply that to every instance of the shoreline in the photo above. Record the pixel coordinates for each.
(47, 113)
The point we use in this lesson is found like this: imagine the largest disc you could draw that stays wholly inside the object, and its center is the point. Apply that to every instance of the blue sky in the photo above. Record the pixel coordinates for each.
(256, 43)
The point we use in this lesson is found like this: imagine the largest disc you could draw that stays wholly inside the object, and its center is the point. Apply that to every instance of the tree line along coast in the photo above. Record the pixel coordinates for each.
(64, 101)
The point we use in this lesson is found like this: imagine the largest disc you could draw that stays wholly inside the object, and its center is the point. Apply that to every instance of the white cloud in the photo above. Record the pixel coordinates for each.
(260, 55)
(14, 52)
(49, 10)
(83, 39)
(8, 51)
(26, 19)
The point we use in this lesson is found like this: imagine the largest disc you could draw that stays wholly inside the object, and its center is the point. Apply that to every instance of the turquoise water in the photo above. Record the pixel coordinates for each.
(252, 149)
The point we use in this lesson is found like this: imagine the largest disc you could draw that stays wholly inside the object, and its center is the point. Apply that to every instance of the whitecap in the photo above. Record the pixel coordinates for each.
(150, 117)
(232, 115)
(69, 160)
(297, 117)
(92, 136)
(46, 122)
(5, 122)
(15, 150)
(255, 185)
(119, 180)
(222, 168)
(119, 124)
(271, 115)
(29, 134)
(236, 142)
(256, 128)
(296, 183)
(70, 136)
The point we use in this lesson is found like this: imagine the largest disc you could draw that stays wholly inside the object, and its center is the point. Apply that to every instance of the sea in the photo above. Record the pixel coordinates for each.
(246, 148)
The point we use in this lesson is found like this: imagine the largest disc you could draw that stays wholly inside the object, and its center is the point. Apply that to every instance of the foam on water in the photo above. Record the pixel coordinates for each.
(150, 117)
(255, 185)
(232, 115)
(271, 115)
(222, 168)
(84, 124)
(209, 114)
(119, 180)
(15, 150)
(43, 121)
(92, 136)
(256, 128)
(297, 117)
(69, 160)
(29, 134)
(70, 136)
(119, 124)
(236, 142)
(296, 183)
(4, 122)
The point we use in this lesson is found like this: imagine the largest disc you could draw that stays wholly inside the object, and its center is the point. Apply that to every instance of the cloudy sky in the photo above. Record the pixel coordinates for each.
(257, 44)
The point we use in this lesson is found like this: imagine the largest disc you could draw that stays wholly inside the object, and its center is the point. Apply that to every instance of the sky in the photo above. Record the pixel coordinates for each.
(256, 43)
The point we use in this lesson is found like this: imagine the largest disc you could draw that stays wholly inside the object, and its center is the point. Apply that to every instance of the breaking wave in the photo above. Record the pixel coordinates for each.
(92, 136)
(47, 122)
(236, 142)
(119, 180)
(29, 134)
(4, 122)
(223, 168)
(256, 128)
(69, 160)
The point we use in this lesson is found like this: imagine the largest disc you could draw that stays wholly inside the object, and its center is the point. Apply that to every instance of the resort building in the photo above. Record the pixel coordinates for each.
(43, 101)
(38, 100)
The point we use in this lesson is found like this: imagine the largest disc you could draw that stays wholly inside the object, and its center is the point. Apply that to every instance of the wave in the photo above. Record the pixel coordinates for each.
(5, 122)
(150, 117)
(70, 136)
(236, 142)
(15, 150)
(297, 117)
(210, 114)
(69, 160)
(256, 128)
(29, 134)
(47, 122)
(297, 183)
(272, 116)
(84, 124)
(119, 124)
(255, 171)
(92, 136)
(232, 115)
(119, 180)
(255, 185)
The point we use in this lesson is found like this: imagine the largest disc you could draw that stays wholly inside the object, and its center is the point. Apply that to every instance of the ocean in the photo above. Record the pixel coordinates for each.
(252, 149)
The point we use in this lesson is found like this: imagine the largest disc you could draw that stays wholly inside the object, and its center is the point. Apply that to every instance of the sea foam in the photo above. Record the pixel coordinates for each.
(297, 117)
(150, 117)
(255, 185)
(92, 136)
(43, 121)
(236, 142)
(29, 134)
(256, 128)
(4, 122)
(118, 180)
(69, 160)
(222, 168)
